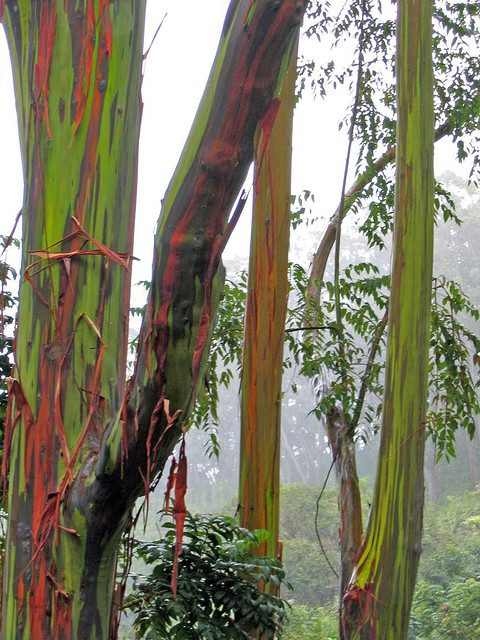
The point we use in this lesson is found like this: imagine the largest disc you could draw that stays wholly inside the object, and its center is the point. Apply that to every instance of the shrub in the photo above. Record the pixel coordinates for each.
(219, 585)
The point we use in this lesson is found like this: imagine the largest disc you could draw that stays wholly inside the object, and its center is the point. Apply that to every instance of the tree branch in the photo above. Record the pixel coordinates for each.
(320, 259)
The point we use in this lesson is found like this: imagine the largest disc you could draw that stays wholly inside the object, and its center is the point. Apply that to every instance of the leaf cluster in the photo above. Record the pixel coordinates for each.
(456, 31)
(220, 585)
(224, 360)
(351, 378)
(454, 390)
(358, 365)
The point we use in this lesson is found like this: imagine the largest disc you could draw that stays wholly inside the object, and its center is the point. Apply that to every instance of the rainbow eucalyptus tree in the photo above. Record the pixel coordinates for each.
(266, 309)
(82, 444)
(378, 601)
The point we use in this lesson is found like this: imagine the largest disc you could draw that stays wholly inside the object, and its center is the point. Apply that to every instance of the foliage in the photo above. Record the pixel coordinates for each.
(451, 613)
(300, 204)
(219, 588)
(454, 391)
(364, 296)
(224, 359)
(451, 545)
(317, 623)
(454, 399)
(447, 599)
(7, 319)
(456, 69)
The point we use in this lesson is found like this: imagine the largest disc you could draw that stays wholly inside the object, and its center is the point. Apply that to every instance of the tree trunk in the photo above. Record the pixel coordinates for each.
(79, 111)
(340, 437)
(378, 601)
(81, 449)
(266, 308)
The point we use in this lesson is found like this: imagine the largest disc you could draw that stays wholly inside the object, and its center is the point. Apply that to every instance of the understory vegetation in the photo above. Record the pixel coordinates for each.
(211, 592)
(447, 597)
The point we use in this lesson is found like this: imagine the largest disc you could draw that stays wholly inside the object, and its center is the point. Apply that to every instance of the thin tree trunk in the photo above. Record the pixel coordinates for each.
(340, 437)
(378, 601)
(267, 297)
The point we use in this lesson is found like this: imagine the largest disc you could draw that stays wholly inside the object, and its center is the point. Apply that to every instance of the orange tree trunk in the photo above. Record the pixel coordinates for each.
(378, 601)
(81, 446)
(266, 308)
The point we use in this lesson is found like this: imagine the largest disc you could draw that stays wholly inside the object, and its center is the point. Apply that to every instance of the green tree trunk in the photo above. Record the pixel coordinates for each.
(79, 108)
(81, 447)
(378, 601)
(266, 309)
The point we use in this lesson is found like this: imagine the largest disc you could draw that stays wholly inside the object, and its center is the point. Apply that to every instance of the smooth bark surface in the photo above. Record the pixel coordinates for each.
(266, 308)
(378, 601)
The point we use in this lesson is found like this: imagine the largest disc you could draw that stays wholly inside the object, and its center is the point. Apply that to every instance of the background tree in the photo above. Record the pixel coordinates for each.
(265, 315)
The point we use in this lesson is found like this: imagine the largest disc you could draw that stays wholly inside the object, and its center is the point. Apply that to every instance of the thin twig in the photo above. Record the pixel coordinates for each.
(338, 312)
(317, 530)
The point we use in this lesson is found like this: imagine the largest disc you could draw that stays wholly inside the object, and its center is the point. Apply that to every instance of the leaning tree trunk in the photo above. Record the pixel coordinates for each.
(378, 601)
(81, 448)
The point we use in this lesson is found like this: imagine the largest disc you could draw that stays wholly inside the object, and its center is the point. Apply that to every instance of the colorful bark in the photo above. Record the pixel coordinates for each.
(81, 448)
(378, 601)
(266, 308)
(79, 115)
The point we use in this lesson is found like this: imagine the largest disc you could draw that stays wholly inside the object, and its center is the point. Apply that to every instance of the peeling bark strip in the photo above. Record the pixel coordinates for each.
(81, 450)
(378, 601)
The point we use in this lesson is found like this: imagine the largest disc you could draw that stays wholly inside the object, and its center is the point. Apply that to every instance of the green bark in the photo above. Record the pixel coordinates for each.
(81, 448)
(78, 105)
(378, 601)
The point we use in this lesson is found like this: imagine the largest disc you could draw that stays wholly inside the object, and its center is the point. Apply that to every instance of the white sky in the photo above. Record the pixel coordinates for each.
(175, 75)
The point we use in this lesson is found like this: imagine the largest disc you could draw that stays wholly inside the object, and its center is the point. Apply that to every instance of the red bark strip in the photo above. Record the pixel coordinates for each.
(265, 126)
(42, 70)
(179, 512)
(170, 484)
